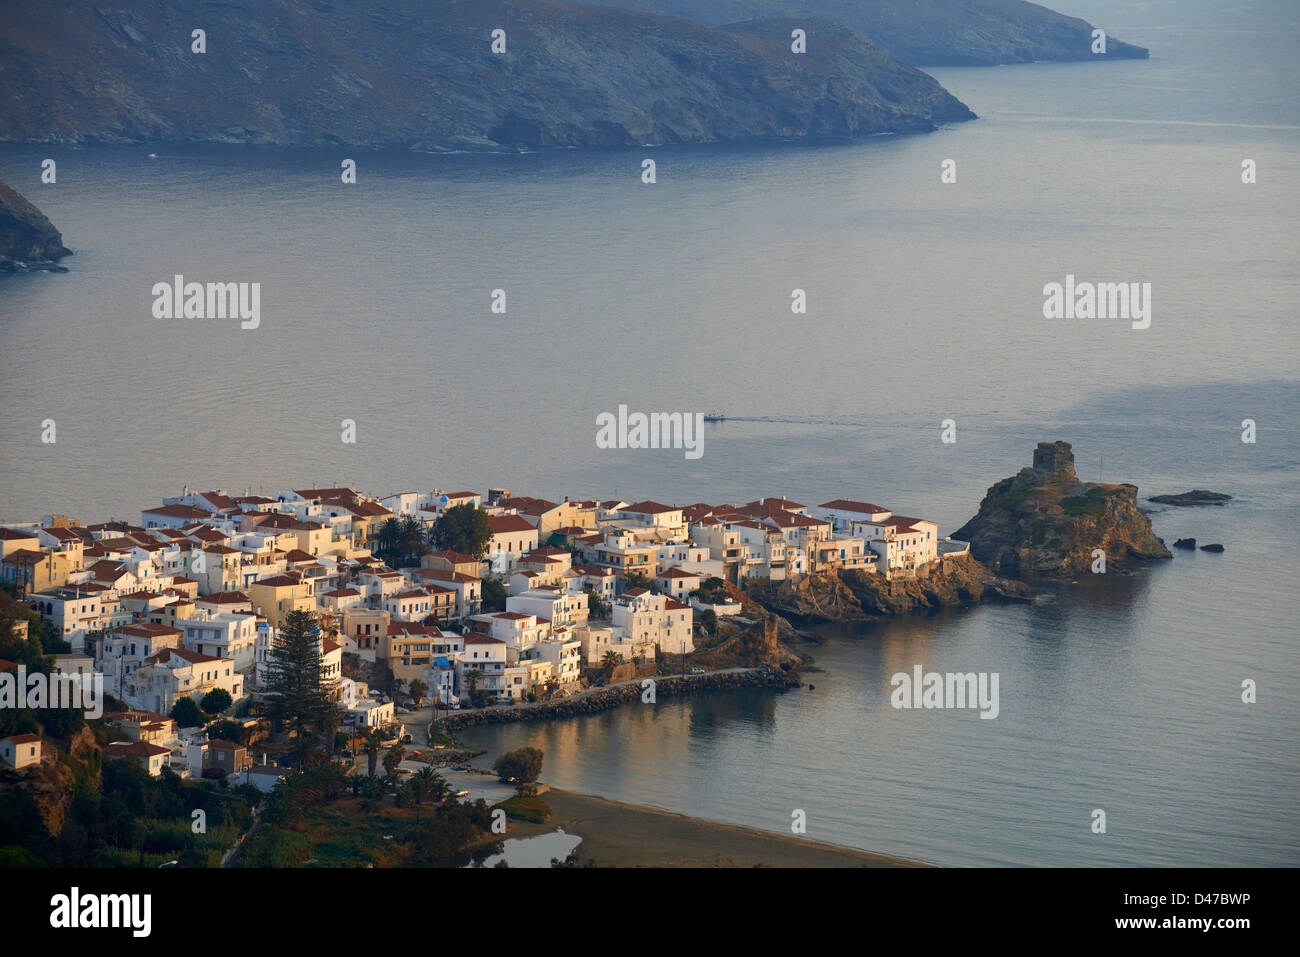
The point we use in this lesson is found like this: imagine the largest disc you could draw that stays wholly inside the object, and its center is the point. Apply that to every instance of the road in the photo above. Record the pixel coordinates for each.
(416, 724)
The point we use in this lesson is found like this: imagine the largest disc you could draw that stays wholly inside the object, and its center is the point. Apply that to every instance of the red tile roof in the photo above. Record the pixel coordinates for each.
(849, 505)
(178, 511)
(649, 508)
(504, 524)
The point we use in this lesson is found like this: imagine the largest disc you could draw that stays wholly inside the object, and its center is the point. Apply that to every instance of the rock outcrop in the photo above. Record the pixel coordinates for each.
(26, 236)
(854, 595)
(421, 75)
(1197, 496)
(749, 646)
(924, 32)
(1044, 522)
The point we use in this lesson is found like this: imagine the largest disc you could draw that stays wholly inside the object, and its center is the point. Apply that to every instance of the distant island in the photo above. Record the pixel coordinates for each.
(425, 76)
(27, 237)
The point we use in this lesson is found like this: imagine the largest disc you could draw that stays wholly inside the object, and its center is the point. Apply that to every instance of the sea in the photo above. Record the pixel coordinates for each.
(924, 312)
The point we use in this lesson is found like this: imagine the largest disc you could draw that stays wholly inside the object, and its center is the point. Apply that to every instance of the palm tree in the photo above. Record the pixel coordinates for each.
(389, 537)
(610, 661)
(373, 741)
(414, 541)
(393, 758)
(330, 724)
(439, 789)
(422, 785)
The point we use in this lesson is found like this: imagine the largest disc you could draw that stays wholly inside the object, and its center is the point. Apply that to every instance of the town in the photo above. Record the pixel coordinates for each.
(447, 600)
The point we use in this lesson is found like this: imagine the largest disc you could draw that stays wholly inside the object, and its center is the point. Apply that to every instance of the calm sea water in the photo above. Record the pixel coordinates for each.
(924, 304)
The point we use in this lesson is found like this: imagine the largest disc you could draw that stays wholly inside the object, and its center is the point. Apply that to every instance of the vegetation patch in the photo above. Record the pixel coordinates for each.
(530, 809)
(1083, 505)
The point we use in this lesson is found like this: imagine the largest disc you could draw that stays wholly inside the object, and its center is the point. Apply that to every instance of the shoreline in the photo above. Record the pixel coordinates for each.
(596, 700)
(621, 834)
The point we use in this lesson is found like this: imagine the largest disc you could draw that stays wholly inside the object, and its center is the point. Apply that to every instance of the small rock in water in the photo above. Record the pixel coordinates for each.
(1187, 543)
(1197, 496)
(1216, 547)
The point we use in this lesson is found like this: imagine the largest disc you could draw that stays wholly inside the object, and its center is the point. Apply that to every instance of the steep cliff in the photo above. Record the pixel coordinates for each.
(26, 236)
(923, 32)
(857, 595)
(1045, 522)
(410, 73)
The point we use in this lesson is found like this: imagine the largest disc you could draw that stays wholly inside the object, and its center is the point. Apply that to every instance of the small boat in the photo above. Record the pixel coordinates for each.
(715, 417)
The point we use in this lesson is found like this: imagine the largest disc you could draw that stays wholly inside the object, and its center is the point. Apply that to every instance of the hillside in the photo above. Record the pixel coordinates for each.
(421, 75)
(922, 32)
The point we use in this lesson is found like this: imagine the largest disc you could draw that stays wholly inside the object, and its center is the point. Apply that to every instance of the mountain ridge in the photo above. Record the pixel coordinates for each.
(402, 73)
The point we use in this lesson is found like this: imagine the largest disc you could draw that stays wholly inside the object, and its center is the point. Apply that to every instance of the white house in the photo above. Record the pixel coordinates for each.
(163, 679)
(223, 635)
(512, 538)
(901, 544)
(468, 589)
(843, 512)
(677, 583)
(565, 658)
(20, 750)
(556, 606)
(486, 656)
(369, 713)
(125, 648)
(642, 616)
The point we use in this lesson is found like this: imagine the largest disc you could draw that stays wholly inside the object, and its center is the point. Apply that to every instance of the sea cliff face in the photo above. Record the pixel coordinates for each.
(422, 75)
(923, 32)
(853, 595)
(26, 236)
(1043, 522)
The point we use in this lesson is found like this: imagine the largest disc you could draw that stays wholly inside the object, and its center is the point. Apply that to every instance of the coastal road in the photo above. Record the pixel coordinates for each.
(416, 724)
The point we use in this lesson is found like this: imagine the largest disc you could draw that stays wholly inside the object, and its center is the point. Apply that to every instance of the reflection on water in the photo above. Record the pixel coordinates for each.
(537, 851)
(1121, 695)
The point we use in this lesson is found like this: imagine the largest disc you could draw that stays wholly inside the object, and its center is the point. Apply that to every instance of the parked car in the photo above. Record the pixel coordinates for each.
(697, 670)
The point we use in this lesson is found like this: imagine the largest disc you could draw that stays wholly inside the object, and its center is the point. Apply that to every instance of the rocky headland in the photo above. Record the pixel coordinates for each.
(1044, 522)
(27, 238)
(424, 76)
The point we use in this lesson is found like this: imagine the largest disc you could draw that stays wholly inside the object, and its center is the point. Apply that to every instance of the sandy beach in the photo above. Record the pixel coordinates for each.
(618, 834)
